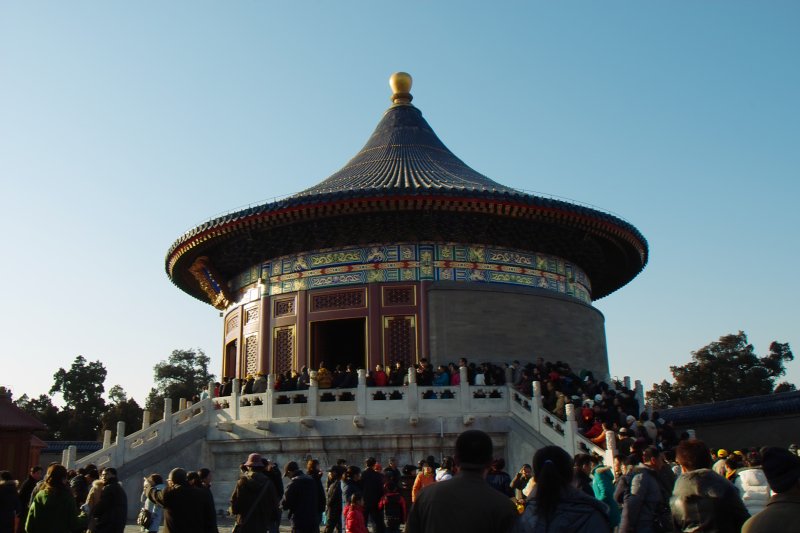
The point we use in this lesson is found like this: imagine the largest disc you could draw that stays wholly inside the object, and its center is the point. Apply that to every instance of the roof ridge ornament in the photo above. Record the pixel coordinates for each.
(400, 82)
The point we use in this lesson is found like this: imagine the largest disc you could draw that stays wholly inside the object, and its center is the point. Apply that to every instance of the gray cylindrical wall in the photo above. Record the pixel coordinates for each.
(485, 322)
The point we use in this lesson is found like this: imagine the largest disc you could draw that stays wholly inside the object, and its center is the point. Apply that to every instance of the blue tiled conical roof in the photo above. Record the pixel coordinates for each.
(404, 156)
(405, 184)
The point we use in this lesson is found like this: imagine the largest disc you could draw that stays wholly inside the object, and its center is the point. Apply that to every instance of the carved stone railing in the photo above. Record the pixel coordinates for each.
(411, 400)
(126, 448)
(562, 433)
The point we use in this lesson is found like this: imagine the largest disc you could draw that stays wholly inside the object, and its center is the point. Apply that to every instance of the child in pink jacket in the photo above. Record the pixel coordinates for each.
(354, 515)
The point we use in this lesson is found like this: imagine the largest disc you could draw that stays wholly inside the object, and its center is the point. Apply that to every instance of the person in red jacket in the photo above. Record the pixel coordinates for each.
(379, 377)
(354, 515)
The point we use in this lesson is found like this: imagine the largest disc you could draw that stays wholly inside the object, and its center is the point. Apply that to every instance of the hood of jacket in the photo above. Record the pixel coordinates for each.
(254, 480)
(752, 477)
(703, 481)
(573, 512)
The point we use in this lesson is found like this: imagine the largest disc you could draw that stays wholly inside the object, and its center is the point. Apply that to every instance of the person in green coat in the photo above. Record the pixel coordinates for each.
(53, 509)
(603, 487)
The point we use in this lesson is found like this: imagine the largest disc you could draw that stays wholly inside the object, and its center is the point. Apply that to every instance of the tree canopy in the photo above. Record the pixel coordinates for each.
(85, 412)
(183, 375)
(82, 388)
(723, 370)
(43, 410)
(121, 409)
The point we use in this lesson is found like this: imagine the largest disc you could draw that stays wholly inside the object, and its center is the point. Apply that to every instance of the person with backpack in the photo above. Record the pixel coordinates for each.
(644, 502)
(393, 506)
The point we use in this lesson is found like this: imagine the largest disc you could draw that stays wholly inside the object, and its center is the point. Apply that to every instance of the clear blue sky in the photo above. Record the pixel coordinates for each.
(123, 124)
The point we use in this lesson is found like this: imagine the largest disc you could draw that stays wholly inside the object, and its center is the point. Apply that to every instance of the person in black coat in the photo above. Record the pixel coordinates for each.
(111, 510)
(301, 500)
(26, 489)
(333, 500)
(186, 509)
(10, 506)
(372, 489)
(254, 500)
(313, 471)
(80, 487)
(581, 480)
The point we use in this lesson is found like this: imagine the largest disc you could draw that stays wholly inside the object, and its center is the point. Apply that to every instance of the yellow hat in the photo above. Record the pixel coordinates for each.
(722, 453)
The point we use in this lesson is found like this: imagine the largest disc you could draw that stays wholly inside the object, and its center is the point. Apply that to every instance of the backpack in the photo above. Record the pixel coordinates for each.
(393, 507)
(662, 514)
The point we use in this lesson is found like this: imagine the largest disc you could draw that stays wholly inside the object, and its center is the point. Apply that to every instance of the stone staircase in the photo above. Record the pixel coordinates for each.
(407, 423)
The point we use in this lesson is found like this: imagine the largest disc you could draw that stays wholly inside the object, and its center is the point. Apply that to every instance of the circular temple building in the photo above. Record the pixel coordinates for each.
(405, 253)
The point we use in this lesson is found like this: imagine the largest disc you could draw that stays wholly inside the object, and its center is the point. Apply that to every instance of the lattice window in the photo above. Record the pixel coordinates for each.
(400, 339)
(283, 349)
(394, 296)
(251, 315)
(233, 323)
(251, 355)
(337, 300)
(284, 307)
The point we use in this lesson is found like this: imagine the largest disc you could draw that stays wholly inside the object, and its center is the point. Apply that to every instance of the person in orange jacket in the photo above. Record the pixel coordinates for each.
(424, 478)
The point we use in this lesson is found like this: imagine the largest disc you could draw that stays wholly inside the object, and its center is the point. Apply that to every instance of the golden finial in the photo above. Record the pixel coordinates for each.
(400, 82)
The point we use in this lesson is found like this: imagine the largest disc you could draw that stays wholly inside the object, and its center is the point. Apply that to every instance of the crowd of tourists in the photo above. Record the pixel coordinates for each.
(557, 377)
(659, 481)
(694, 489)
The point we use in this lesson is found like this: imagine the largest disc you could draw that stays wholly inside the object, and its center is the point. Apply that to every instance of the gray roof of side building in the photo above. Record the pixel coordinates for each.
(81, 446)
(781, 404)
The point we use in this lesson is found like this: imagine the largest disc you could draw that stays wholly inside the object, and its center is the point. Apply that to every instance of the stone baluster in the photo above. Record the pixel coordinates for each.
(626, 382)
(463, 391)
(313, 394)
(145, 419)
(237, 384)
(269, 402)
(570, 429)
(211, 387)
(68, 456)
(181, 404)
(639, 392)
(361, 392)
(413, 392)
(106, 438)
(536, 405)
(167, 430)
(120, 453)
(611, 448)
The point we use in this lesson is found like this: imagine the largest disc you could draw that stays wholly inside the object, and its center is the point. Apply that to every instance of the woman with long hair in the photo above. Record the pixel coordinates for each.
(555, 506)
(53, 509)
(156, 511)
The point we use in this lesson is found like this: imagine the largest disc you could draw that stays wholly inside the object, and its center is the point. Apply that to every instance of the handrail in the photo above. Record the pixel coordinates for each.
(409, 400)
